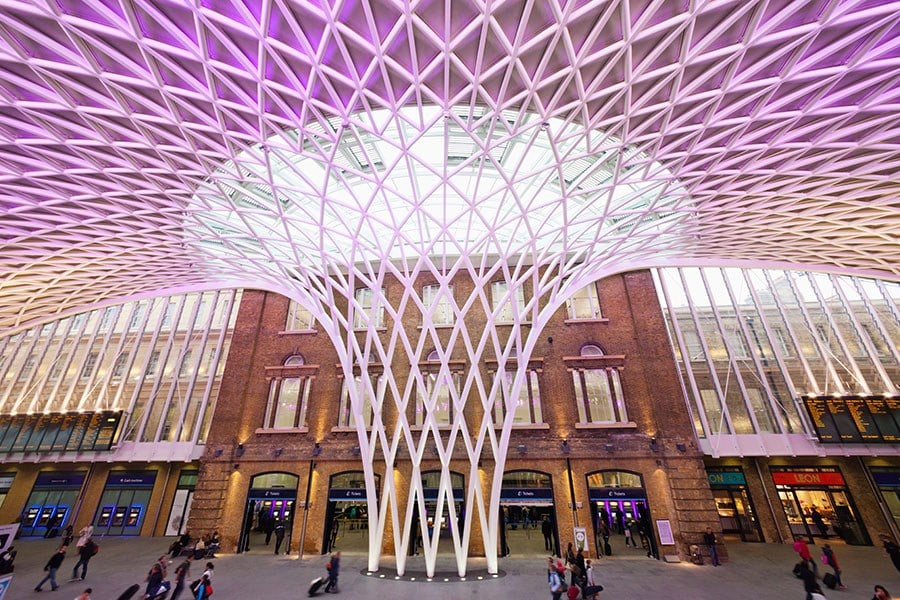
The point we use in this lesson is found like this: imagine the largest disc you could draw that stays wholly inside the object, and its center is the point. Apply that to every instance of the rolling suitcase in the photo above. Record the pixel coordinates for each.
(829, 580)
(315, 585)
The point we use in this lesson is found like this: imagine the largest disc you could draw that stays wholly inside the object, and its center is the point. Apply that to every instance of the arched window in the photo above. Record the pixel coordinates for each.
(598, 388)
(289, 394)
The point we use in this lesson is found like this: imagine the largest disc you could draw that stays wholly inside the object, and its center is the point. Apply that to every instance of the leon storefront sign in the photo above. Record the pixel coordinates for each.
(800, 478)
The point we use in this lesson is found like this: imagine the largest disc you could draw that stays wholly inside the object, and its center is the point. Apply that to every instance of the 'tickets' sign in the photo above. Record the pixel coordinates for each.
(807, 478)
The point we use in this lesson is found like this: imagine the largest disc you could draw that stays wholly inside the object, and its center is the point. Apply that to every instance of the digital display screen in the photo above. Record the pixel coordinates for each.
(855, 419)
(59, 432)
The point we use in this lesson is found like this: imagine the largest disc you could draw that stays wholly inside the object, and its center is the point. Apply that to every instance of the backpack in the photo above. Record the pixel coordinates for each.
(95, 548)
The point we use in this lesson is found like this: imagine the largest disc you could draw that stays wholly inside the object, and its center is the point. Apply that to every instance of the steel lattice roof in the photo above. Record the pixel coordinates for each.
(154, 146)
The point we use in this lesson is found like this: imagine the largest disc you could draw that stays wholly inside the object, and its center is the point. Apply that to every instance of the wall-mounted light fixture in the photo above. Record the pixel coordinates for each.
(317, 449)
(610, 448)
(236, 466)
(218, 452)
(681, 447)
(565, 447)
(522, 448)
(239, 451)
(435, 451)
(278, 452)
(654, 445)
(355, 450)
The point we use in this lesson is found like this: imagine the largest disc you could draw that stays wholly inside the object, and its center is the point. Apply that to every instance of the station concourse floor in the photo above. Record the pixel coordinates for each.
(756, 572)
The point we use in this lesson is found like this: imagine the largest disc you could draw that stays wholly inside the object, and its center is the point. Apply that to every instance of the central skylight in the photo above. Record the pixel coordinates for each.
(422, 182)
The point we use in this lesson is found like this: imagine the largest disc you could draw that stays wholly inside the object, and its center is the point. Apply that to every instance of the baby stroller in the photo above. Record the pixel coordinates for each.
(161, 592)
(696, 555)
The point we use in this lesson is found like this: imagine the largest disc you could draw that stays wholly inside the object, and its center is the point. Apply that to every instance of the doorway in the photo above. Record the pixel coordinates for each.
(346, 516)
(620, 514)
(527, 515)
(269, 512)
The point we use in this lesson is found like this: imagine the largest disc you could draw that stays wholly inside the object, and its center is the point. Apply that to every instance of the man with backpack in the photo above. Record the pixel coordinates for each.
(85, 553)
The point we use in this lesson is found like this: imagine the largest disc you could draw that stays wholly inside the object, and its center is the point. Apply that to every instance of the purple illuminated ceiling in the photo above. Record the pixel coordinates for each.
(135, 132)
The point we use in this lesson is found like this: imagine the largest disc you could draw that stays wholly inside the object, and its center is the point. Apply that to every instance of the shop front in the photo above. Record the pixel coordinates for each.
(734, 503)
(123, 504)
(6, 481)
(818, 504)
(181, 502)
(887, 480)
(51, 502)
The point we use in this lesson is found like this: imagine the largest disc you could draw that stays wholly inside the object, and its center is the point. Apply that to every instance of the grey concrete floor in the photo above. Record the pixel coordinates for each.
(756, 572)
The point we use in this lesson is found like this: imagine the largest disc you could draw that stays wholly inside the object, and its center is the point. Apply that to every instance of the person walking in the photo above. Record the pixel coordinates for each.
(51, 567)
(830, 559)
(279, 535)
(881, 593)
(204, 588)
(891, 549)
(709, 538)
(547, 531)
(810, 585)
(85, 553)
(555, 580)
(269, 528)
(154, 581)
(334, 569)
(802, 550)
(571, 565)
(181, 572)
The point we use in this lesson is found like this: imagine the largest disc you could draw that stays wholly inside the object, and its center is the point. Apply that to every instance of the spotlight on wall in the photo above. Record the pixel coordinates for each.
(236, 466)
(565, 447)
(218, 452)
(278, 452)
(317, 449)
(610, 448)
(522, 448)
(239, 451)
(355, 450)
(681, 447)
(550, 339)
(435, 451)
(654, 445)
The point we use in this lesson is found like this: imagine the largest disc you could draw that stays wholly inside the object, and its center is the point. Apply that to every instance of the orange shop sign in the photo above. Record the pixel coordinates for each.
(807, 478)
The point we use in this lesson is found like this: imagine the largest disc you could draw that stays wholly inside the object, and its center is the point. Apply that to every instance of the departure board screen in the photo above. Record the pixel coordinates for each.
(855, 419)
(59, 432)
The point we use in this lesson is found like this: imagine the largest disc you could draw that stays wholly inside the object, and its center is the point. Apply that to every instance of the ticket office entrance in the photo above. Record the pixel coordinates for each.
(270, 507)
(439, 528)
(620, 513)
(346, 516)
(526, 503)
(50, 504)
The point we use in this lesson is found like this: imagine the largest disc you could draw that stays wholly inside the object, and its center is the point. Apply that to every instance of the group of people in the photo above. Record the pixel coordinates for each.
(581, 570)
(808, 571)
(204, 547)
(158, 583)
(86, 547)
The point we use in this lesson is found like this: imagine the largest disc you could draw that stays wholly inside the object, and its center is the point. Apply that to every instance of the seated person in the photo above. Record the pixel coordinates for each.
(200, 549)
(6, 561)
(213, 544)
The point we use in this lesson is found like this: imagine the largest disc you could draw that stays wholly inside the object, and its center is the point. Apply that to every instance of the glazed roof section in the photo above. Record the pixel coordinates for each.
(136, 136)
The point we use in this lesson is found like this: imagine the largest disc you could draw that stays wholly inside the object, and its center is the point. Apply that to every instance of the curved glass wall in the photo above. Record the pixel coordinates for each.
(750, 343)
(159, 360)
